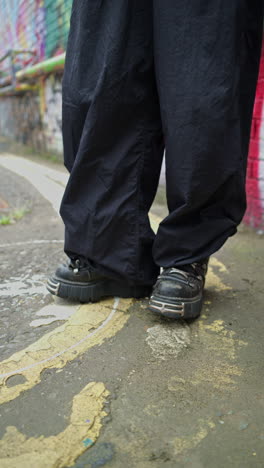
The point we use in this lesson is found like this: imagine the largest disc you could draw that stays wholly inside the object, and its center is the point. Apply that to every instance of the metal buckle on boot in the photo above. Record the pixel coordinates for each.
(53, 286)
(165, 307)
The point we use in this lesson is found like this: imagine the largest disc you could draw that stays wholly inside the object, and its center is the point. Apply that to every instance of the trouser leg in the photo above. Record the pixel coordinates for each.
(206, 58)
(113, 143)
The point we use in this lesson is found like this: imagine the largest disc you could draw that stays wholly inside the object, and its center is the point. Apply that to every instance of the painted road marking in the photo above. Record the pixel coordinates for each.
(54, 350)
(72, 338)
(64, 344)
(183, 444)
(75, 345)
(89, 326)
(16, 450)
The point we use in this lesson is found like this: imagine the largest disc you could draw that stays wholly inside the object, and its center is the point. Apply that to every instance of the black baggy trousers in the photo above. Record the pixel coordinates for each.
(142, 76)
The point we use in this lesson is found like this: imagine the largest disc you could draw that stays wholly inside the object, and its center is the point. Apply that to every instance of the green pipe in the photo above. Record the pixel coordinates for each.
(47, 66)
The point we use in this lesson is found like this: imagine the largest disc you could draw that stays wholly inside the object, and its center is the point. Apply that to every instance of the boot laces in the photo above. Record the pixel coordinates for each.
(78, 264)
(196, 270)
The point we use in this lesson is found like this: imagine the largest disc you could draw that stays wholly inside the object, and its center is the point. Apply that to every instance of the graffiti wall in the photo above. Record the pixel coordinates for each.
(27, 127)
(51, 118)
(33, 118)
(255, 172)
(42, 26)
(39, 25)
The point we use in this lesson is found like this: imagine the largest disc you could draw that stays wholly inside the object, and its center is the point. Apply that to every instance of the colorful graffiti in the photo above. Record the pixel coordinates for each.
(57, 20)
(255, 173)
(39, 25)
(23, 120)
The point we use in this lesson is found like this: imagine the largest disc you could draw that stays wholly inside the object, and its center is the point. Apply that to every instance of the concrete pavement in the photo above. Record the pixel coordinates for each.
(110, 384)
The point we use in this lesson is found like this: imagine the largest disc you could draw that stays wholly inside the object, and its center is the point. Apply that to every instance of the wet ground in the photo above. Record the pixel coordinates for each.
(110, 384)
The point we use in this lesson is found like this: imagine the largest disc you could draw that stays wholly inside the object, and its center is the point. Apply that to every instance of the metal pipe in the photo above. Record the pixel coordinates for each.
(10, 90)
(13, 69)
(47, 66)
(42, 68)
(5, 81)
(5, 56)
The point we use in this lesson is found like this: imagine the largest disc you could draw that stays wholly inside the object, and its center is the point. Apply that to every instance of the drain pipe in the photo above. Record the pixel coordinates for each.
(10, 90)
(47, 66)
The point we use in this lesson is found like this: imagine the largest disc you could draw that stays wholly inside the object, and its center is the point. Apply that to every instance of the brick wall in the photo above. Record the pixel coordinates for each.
(255, 173)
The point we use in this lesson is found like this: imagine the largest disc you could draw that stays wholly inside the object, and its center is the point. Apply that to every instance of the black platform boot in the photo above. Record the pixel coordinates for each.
(78, 280)
(178, 292)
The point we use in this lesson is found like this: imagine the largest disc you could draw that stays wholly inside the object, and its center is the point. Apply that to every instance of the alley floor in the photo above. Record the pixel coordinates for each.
(110, 384)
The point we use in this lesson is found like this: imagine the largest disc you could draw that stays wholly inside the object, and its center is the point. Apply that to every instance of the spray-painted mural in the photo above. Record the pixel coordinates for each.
(25, 120)
(255, 173)
(39, 25)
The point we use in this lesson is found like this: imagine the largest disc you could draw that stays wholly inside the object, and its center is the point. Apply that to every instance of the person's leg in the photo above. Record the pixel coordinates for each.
(206, 58)
(113, 141)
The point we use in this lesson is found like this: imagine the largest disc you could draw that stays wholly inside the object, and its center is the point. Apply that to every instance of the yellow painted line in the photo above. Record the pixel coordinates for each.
(219, 265)
(68, 341)
(212, 279)
(73, 346)
(218, 369)
(16, 450)
(77, 335)
(89, 326)
(183, 444)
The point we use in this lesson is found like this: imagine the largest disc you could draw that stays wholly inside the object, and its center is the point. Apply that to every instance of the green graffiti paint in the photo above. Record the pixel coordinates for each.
(58, 14)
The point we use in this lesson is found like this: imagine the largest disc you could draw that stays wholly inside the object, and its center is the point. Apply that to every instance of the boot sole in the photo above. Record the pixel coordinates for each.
(96, 290)
(176, 309)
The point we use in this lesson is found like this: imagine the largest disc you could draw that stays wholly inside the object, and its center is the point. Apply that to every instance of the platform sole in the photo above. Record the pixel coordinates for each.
(93, 291)
(176, 309)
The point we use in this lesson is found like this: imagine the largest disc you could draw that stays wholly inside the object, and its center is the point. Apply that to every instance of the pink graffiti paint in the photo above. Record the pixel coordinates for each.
(254, 213)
